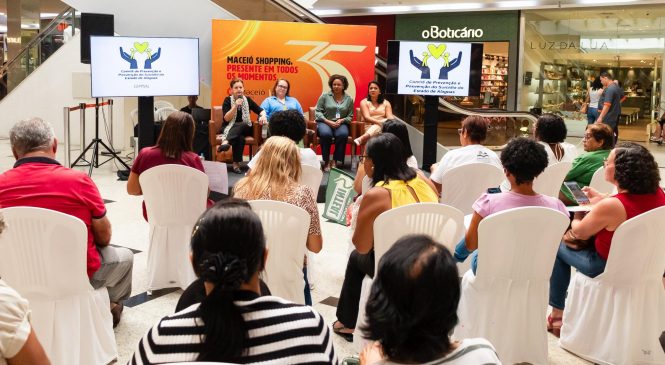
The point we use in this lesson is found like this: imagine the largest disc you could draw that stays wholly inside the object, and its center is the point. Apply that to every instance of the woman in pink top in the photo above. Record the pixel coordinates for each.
(523, 160)
(375, 111)
(635, 173)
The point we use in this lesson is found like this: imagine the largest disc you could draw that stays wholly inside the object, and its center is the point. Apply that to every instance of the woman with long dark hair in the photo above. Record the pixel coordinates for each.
(375, 110)
(233, 324)
(394, 184)
(593, 98)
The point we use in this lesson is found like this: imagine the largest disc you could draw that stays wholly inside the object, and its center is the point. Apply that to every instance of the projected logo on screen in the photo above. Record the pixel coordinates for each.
(140, 49)
(436, 52)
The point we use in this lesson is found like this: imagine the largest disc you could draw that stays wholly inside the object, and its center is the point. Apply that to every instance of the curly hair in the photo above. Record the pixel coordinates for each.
(342, 78)
(476, 127)
(550, 128)
(524, 158)
(412, 307)
(635, 169)
(287, 123)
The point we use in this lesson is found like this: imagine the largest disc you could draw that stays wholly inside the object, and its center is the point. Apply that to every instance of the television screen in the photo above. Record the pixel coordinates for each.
(144, 66)
(434, 68)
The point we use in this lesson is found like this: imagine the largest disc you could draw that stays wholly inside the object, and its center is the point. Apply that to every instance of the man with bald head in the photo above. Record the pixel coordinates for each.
(38, 180)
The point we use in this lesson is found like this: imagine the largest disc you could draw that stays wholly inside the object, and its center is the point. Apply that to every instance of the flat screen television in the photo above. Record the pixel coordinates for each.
(434, 68)
(144, 66)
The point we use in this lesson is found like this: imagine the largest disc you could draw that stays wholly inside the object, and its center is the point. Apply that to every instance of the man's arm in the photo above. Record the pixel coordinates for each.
(101, 231)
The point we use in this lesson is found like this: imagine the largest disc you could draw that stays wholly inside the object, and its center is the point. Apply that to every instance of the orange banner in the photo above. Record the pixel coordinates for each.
(304, 54)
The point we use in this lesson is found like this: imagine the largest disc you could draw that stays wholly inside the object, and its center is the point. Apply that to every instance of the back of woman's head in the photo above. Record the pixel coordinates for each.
(228, 247)
(476, 128)
(412, 307)
(399, 130)
(277, 168)
(596, 84)
(387, 154)
(550, 128)
(635, 169)
(177, 135)
(524, 158)
(602, 133)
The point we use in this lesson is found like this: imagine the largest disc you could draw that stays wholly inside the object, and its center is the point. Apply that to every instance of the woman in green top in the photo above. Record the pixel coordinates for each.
(598, 141)
(334, 112)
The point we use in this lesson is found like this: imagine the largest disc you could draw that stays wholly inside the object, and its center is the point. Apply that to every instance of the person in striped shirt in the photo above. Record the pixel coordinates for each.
(412, 309)
(233, 323)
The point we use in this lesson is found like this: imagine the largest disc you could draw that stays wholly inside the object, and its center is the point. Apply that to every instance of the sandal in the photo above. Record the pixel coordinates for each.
(554, 325)
(223, 147)
(340, 330)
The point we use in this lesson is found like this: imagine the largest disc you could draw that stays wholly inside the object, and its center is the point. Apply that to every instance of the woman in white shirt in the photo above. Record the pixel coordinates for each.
(551, 132)
(593, 97)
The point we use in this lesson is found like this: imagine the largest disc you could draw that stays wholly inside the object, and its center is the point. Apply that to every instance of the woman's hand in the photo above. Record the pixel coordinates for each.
(238, 102)
(262, 119)
(371, 353)
(594, 195)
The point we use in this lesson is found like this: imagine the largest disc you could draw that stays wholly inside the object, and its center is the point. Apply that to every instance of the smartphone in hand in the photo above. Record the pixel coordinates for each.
(577, 192)
(493, 190)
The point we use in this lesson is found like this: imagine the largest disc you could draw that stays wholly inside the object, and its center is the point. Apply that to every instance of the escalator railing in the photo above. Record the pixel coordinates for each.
(40, 48)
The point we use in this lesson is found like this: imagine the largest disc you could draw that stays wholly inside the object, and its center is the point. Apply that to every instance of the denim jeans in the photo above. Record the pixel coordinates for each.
(461, 253)
(326, 135)
(308, 294)
(586, 262)
(591, 115)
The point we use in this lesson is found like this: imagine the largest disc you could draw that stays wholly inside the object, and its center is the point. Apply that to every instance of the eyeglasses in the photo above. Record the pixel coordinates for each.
(460, 130)
(361, 158)
(587, 136)
(282, 87)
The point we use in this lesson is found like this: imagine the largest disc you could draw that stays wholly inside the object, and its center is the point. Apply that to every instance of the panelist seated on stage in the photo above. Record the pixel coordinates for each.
(38, 180)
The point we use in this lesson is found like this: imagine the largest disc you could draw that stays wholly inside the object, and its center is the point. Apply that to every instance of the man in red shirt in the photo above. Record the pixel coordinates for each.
(38, 180)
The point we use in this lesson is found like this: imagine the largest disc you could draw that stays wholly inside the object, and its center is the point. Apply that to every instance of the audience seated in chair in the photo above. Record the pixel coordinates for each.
(38, 180)
(471, 135)
(228, 252)
(633, 170)
(291, 124)
(275, 177)
(417, 269)
(174, 146)
(395, 184)
(551, 131)
(598, 141)
(523, 160)
(18, 342)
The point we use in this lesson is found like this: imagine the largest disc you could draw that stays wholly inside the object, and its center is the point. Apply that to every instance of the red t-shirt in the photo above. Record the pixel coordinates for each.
(152, 156)
(43, 183)
(634, 204)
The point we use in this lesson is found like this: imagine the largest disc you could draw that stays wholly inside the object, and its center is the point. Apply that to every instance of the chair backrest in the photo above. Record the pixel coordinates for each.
(163, 113)
(163, 104)
(462, 185)
(311, 176)
(549, 181)
(637, 253)
(43, 253)
(174, 194)
(599, 183)
(520, 244)
(285, 227)
(445, 224)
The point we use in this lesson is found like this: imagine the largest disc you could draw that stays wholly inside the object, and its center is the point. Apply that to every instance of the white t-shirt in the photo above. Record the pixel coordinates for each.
(307, 157)
(471, 351)
(569, 153)
(14, 322)
(462, 156)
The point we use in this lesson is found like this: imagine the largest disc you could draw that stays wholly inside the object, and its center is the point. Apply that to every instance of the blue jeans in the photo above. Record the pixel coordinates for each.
(591, 115)
(461, 253)
(308, 294)
(586, 262)
(326, 135)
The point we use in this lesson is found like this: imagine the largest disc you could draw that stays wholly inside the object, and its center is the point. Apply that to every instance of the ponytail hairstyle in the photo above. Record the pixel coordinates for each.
(228, 247)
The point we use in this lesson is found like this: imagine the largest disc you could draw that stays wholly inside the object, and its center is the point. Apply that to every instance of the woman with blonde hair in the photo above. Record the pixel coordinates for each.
(275, 177)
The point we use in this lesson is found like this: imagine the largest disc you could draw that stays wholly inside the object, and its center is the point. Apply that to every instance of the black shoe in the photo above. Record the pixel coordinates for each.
(237, 170)
(223, 147)
(116, 312)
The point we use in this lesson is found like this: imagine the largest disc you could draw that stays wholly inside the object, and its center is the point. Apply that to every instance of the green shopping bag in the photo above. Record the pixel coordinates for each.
(339, 195)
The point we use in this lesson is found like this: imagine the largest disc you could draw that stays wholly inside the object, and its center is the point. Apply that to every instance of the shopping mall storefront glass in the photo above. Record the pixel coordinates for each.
(564, 50)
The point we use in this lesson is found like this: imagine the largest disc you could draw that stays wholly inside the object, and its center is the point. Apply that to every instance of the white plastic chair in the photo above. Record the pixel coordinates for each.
(599, 183)
(506, 301)
(175, 196)
(162, 104)
(311, 176)
(163, 113)
(445, 224)
(286, 227)
(549, 181)
(617, 317)
(462, 185)
(43, 256)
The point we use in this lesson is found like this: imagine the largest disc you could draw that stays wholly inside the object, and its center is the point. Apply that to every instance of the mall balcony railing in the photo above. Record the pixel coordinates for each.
(41, 47)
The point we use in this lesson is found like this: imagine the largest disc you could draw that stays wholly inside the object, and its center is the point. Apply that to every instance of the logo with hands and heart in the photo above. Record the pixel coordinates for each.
(435, 51)
(140, 47)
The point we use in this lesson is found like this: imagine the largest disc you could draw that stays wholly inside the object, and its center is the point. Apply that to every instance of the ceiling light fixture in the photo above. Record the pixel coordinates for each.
(451, 6)
(517, 4)
(325, 12)
(600, 2)
(390, 9)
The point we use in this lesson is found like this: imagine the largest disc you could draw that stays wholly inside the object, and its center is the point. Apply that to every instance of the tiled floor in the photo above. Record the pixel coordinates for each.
(130, 230)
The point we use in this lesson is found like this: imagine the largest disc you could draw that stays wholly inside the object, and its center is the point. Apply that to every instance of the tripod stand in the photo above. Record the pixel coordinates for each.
(94, 144)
